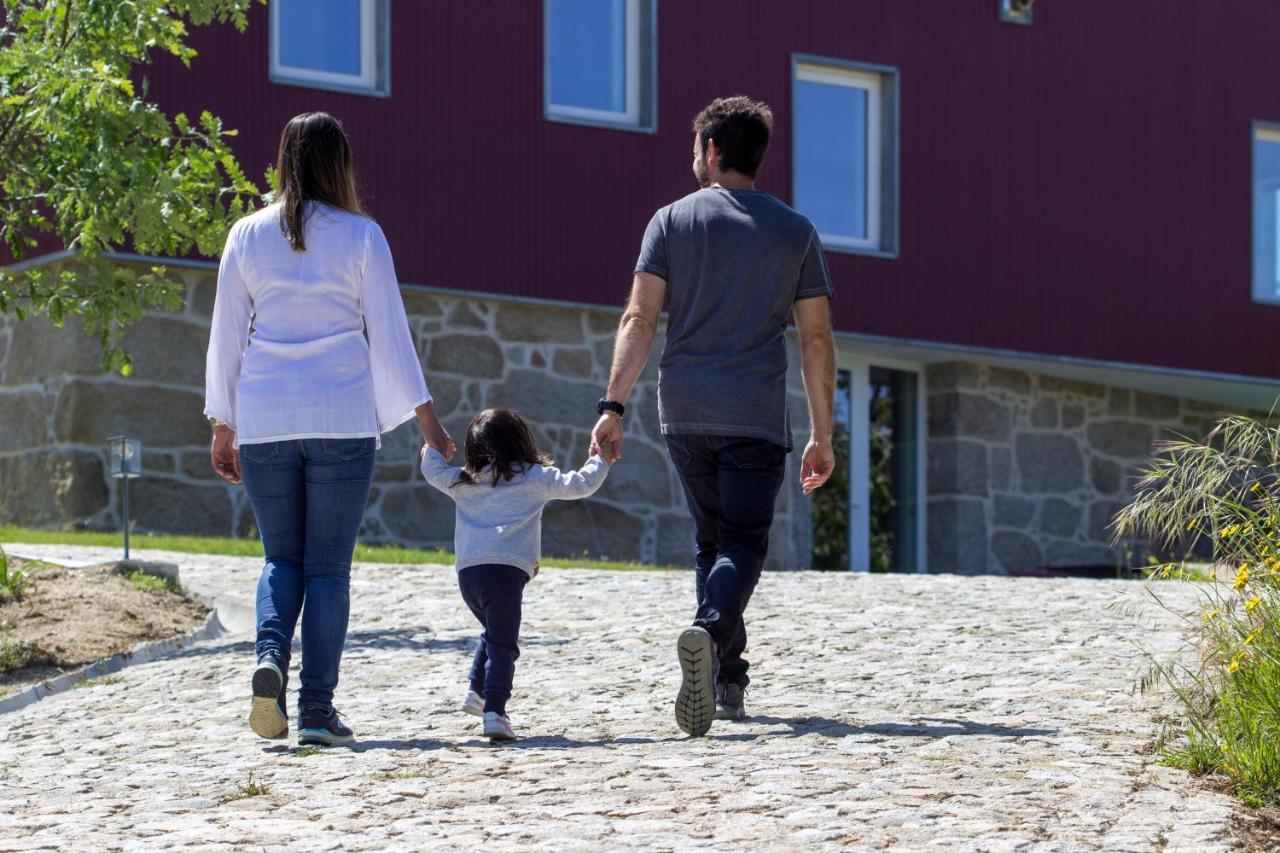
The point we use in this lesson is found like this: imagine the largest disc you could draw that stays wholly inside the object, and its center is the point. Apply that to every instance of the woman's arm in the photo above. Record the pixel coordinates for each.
(228, 339)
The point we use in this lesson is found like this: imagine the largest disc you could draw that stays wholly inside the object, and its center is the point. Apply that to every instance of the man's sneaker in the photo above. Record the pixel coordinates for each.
(473, 704)
(320, 726)
(266, 715)
(696, 701)
(497, 726)
(730, 704)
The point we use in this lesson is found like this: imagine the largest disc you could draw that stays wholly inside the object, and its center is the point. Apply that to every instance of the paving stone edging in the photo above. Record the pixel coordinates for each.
(225, 617)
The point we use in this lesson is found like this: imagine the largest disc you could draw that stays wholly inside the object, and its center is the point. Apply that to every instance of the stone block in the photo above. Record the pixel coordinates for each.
(401, 445)
(89, 413)
(417, 513)
(1101, 513)
(640, 479)
(1088, 390)
(199, 292)
(23, 420)
(1157, 407)
(1016, 552)
(446, 394)
(40, 351)
(1000, 467)
(167, 349)
(546, 399)
(419, 303)
(1124, 439)
(574, 363)
(957, 536)
(957, 467)
(1072, 415)
(1105, 475)
(161, 505)
(463, 315)
(197, 465)
(1063, 554)
(1119, 402)
(590, 529)
(675, 538)
(53, 487)
(952, 376)
(1044, 414)
(471, 356)
(604, 322)
(1009, 380)
(964, 415)
(538, 324)
(163, 463)
(1012, 511)
(1059, 517)
(1049, 463)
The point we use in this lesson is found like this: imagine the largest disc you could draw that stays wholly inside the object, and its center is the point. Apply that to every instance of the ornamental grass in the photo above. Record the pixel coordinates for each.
(1220, 497)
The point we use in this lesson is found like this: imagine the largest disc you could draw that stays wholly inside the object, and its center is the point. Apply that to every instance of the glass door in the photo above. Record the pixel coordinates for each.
(868, 517)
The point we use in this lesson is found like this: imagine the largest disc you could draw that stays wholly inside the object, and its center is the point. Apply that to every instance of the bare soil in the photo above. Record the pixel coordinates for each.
(65, 619)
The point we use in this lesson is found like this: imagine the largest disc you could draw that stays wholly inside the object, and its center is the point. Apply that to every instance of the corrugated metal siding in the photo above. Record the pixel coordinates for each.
(1078, 187)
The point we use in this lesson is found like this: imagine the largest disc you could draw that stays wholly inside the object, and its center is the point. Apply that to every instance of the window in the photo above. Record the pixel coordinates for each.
(845, 170)
(1015, 11)
(598, 62)
(332, 44)
(1266, 213)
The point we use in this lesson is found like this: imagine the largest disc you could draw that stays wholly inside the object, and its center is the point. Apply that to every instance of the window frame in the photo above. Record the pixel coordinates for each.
(375, 56)
(1260, 130)
(883, 139)
(641, 114)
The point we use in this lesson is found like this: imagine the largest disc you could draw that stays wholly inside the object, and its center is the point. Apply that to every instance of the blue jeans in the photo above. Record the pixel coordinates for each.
(309, 497)
(730, 484)
(495, 595)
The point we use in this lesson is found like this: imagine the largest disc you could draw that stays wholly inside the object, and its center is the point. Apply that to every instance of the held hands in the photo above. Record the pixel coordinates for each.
(816, 465)
(225, 457)
(606, 438)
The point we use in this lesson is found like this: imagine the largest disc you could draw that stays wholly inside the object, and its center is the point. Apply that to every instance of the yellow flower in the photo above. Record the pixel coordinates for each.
(1191, 525)
(1242, 577)
(1255, 486)
(1210, 615)
(1248, 641)
(1233, 666)
(1248, 528)
(1252, 603)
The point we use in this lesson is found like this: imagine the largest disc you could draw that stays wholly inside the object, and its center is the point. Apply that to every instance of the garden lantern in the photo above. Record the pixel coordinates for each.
(126, 463)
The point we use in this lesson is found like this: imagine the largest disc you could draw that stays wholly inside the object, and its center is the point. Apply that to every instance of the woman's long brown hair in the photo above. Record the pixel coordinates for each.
(314, 165)
(500, 440)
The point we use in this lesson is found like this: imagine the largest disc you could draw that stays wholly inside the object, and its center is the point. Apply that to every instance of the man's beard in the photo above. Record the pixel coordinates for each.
(701, 172)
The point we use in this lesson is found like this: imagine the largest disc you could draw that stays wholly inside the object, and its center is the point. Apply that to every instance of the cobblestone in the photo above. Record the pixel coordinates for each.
(888, 712)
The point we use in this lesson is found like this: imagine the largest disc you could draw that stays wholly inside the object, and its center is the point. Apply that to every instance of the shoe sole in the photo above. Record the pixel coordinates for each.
(733, 716)
(696, 701)
(265, 716)
(500, 737)
(322, 737)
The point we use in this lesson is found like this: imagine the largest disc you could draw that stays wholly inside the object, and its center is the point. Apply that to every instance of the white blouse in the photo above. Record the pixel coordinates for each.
(288, 354)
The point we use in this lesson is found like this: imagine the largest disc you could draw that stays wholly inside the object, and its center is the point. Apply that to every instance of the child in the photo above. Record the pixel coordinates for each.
(498, 541)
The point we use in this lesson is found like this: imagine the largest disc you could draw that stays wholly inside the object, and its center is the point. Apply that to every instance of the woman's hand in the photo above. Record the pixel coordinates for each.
(434, 433)
(226, 459)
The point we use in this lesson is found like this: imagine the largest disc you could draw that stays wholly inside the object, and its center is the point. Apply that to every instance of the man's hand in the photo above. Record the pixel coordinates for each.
(606, 438)
(226, 459)
(816, 465)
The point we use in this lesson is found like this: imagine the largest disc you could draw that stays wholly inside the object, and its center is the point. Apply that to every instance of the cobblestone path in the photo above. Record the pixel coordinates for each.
(905, 713)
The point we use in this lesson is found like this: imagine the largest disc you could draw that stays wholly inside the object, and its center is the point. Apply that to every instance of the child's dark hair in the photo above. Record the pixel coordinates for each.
(500, 440)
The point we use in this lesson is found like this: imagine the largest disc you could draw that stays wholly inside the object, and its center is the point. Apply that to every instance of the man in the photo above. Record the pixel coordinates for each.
(736, 264)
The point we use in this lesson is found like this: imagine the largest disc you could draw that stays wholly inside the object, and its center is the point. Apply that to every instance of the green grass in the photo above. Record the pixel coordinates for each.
(11, 580)
(251, 788)
(21, 655)
(152, 583)
(253, 548)
(100, 681)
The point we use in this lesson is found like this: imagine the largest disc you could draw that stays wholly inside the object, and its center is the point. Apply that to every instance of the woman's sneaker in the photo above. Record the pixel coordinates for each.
(731, 702)
(497, 726)
(266, 715)
(321, 726)
(473, 704)
(696, 702)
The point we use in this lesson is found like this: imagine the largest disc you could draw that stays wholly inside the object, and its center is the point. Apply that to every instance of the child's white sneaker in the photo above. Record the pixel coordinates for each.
(497, 727)
(473, 704)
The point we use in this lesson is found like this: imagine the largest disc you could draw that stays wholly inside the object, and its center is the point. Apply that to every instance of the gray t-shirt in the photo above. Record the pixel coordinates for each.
(735, 261)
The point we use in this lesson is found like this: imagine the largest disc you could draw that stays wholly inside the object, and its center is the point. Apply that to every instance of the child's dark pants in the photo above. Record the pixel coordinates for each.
(495, 594)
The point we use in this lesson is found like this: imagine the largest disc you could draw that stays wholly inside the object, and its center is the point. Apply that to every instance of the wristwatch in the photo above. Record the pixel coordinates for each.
(607, 405)
(214, 423)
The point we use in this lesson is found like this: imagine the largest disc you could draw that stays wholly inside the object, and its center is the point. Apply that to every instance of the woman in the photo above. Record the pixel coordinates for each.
(298, 397)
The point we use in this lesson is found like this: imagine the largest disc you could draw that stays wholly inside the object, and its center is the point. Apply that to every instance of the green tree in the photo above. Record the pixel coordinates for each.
(87, 160)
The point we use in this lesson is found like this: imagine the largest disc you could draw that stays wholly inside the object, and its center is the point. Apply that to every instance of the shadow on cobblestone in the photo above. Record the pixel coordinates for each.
(801, 726)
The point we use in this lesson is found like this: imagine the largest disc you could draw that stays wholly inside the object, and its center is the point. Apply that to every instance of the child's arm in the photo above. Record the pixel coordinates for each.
(573, 485)
(437, 469)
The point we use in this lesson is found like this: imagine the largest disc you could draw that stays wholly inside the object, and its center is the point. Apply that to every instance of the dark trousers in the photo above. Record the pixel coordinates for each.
(495, 595)
(731, 484)
(308, 497)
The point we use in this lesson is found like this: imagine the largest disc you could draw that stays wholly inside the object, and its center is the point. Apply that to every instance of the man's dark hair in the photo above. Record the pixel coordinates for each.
(740, 126)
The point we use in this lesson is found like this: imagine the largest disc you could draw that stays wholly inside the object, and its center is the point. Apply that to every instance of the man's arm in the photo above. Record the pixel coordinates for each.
(818, 367)
(630, 352)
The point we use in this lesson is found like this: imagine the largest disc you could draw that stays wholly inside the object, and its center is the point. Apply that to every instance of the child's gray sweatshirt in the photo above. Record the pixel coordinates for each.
(503, 523)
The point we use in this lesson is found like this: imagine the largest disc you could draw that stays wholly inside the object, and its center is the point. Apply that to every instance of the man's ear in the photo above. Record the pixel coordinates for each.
(713, 156)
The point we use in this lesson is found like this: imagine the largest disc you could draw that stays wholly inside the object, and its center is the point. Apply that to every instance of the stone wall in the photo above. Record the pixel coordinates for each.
(57, 409)
(1026, 471)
